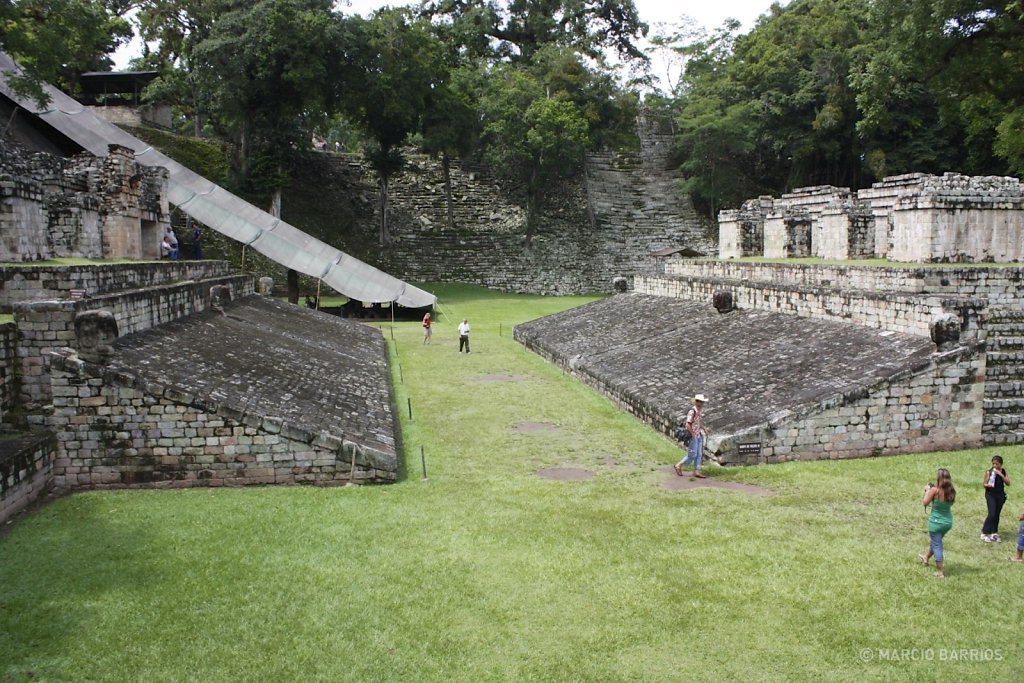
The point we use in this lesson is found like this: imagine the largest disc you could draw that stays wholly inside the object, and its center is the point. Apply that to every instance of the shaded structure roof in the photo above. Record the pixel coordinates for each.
(273, 359)
(751, 364)
(126, 85)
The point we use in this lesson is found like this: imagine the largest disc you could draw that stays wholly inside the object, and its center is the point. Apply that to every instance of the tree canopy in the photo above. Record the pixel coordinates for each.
(839, 92)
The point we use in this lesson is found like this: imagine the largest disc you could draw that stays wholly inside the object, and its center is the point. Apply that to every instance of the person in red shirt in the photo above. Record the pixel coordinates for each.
(426, 328)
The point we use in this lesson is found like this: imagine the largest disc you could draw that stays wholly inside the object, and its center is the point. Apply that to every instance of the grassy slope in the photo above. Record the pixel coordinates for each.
(484, 572)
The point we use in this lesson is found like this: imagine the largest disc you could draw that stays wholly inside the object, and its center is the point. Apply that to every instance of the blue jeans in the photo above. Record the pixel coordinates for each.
(936, 544)
(1020, 537)
(695, 453)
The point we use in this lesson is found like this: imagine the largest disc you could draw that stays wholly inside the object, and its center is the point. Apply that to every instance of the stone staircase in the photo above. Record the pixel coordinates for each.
(1004, 385)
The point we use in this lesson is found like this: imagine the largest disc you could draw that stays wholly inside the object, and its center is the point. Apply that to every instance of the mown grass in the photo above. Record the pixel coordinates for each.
(485, 572)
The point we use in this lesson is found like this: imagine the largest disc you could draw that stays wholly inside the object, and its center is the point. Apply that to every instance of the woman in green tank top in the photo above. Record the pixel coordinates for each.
(941, 495)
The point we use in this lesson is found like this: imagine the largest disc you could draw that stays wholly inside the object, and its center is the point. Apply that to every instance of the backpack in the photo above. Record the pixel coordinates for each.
(683, 434)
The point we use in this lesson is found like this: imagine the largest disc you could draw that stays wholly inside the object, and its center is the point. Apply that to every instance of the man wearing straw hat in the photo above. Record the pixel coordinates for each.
(695, 426)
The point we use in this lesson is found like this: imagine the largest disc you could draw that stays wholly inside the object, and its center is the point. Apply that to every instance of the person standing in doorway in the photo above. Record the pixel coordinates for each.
(464, 335)
(197, 243)
(941, 495)
(426, 328)
(995, 483)
(695, 426)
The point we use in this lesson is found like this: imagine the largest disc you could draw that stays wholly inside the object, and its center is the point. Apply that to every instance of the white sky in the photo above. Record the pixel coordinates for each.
(709, 14)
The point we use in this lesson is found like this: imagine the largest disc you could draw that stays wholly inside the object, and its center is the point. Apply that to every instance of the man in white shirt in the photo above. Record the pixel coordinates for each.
(464, 335)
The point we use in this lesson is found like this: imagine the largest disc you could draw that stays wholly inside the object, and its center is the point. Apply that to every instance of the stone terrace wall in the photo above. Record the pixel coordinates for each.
(936, 406)
(84, 206)
(610, 224)
(47, 325)
(26, 472)
(1002, 287)
(906, 313)
(35, 283)
(117, 431)
(8, 363)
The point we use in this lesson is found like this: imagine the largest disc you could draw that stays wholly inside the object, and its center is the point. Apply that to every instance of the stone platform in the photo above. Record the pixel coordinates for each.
(311, 370)
(260, 392)
(780, 386)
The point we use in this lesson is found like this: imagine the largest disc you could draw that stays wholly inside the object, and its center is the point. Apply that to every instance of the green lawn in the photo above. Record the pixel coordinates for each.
(486, 572)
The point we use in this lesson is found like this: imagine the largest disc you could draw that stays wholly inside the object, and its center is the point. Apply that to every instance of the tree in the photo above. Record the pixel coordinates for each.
(397, 66)
(55, 41)
(265, 68)
(773, 109)
(531, 138)
(175, 27)
(516, 29)
(961, 62)
(450, 127)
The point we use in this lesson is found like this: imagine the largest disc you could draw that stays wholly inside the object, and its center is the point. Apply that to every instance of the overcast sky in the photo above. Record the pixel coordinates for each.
(652, 11)
(709, 14)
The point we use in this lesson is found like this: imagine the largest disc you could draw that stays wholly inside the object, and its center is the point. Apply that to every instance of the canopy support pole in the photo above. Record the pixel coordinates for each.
(318, 295)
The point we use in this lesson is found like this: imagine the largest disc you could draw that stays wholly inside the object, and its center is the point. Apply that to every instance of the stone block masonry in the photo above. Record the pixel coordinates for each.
(609, 223)
(84, 206)
(781, 386)
(916, 217)
(48, 325)
(26, 471)
(263, 393)
(43, 282)
(8, 364)
(893, 311)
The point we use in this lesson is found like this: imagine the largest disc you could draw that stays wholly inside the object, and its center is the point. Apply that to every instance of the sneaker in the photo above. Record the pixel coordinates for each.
(985, 538)
(996, 538)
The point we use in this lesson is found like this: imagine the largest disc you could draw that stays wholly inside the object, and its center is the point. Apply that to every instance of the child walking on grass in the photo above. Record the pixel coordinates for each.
(941, 495)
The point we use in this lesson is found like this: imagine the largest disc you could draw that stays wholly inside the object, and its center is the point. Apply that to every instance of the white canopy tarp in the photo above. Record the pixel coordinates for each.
(222, 211)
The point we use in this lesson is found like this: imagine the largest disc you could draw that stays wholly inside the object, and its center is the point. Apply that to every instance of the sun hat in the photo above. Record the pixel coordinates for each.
(700, 397)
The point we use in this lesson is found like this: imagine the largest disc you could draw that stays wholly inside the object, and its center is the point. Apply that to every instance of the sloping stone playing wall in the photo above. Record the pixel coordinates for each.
(263, 393)
(781, 386)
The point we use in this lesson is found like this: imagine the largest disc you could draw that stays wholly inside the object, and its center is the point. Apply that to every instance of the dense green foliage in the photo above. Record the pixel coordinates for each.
(839, 92)
(486, 572)
(844, 92)
(57, 40)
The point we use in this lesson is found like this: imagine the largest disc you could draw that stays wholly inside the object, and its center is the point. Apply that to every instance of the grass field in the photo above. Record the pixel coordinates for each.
(485, 572)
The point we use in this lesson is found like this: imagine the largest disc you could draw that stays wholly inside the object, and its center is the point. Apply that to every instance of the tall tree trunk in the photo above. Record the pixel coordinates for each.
(446, 169)
(293, 276)
(293, 287)
(275, 203)
(197, 118)
(384, 184)
(531, 209)
(243, 149)
(591, 216)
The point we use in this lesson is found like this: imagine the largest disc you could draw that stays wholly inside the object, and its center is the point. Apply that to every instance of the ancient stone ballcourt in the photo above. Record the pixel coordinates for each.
(178, 374)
